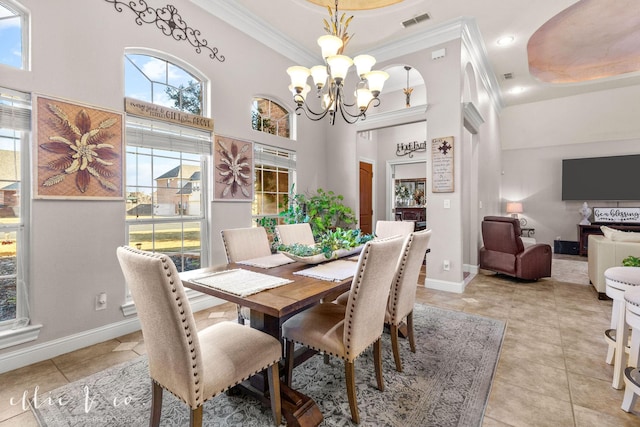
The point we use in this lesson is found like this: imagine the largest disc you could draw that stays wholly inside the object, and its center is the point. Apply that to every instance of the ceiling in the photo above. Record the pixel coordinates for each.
(299, 22)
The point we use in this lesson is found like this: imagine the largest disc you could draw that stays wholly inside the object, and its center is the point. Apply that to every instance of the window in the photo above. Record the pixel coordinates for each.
(166, 193)
(15, 111)
(275, 173)
(13, 33)
(270, 117)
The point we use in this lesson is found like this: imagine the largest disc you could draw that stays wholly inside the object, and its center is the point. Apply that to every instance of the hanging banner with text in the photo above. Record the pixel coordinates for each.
(442, 179)
(165, 114)
(616, 215)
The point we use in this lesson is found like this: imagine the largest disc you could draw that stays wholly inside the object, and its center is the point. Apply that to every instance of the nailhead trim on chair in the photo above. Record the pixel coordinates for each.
(405, 255)
(354, 294)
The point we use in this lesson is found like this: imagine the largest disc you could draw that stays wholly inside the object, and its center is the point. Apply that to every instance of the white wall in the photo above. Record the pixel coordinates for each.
(77, 54)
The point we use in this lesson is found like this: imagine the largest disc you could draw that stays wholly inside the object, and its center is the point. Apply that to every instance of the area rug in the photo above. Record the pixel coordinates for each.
(445, 383)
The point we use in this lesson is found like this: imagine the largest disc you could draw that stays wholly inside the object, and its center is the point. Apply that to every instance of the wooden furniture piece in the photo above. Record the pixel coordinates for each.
(594, 228)
(194, 366)
(268, 311)
(347, 331)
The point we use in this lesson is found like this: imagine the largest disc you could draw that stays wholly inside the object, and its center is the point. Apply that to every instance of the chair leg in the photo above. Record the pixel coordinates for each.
(377, 361)
(195, 418)
(393, 330)
(288, 363)
(240, 317)
(412, 338)
(274, 393)
(156, 404)
(350, 377)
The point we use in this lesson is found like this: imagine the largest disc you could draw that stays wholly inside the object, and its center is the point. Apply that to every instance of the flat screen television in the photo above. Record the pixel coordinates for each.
(601, 178)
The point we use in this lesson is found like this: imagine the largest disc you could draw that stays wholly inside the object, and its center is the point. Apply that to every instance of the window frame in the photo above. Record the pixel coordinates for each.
(272, 160)
(25, 20)
(290, 117)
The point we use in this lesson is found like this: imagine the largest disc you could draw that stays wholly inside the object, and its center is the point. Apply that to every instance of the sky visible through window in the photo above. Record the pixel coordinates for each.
(10, 38)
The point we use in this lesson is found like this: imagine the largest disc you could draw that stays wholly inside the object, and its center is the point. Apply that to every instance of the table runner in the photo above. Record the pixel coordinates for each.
(269, 261)
(240, 282)
(335, 271)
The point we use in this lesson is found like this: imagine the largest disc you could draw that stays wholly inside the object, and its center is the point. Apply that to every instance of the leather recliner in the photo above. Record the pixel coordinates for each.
(504, 252)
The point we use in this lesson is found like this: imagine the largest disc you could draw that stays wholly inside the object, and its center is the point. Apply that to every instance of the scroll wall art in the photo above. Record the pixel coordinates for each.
(79, 151)
(233, 170)
(442, 155)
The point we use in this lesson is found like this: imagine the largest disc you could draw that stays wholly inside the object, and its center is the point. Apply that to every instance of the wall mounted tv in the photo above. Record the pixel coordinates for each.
(601, 178)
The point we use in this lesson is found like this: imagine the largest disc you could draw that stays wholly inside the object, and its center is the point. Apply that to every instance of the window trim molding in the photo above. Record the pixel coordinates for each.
(25, 18)
(293, 117)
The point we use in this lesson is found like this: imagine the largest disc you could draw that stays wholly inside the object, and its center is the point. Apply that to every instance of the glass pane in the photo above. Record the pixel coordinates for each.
(258, 179)
(7, 297)
(136, 84)
(179, 77)
(153, 68)
(167, 178)
(162, 95)
(270, 181)
(283, 182)
(141, 236)
(139, 203)
(11, 46)
(270, 204)
(168, 237)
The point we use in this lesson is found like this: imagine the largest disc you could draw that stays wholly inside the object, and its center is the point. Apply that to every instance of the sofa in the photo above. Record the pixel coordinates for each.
(609, 251)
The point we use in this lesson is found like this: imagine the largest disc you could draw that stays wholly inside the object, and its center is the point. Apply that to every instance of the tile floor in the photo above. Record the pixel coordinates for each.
(551, 371)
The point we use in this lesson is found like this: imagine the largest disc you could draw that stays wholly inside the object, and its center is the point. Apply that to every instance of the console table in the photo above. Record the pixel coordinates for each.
(585, 230)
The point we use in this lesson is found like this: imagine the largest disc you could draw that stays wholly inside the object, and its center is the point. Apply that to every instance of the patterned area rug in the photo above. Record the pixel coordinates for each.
(445, 383)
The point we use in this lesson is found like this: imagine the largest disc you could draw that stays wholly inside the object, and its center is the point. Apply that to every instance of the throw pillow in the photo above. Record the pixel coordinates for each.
(626, 236)
(608, 232)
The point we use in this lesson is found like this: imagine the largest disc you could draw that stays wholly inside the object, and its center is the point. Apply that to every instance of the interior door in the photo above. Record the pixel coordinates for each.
(366, 195)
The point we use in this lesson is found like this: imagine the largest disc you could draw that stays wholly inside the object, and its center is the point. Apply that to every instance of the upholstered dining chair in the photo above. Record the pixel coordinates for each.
(289, 234)
(241, 244)
(347, 331)
(402, 296)
(194, 366)
(386, 229)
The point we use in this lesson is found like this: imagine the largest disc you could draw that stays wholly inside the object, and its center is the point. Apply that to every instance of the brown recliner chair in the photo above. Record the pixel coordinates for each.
(503, 251)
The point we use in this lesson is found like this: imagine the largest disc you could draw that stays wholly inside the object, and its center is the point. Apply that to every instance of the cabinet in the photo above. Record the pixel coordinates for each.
(585, 230)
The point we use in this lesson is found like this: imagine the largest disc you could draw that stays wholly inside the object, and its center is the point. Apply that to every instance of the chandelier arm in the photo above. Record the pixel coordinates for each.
(311, 115)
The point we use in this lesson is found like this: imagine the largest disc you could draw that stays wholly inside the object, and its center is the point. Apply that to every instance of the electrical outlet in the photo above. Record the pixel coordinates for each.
(447, 203)
(445, 265)
(101, 301)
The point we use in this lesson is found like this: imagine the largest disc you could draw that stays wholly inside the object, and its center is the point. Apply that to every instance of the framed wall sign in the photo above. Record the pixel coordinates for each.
(233, 170)
(78, 151)
(616, 215)
(442, 155)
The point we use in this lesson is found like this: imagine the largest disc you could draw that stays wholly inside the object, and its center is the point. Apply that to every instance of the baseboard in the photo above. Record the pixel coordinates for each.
(47, 350)
(444, 285)
(468, 268)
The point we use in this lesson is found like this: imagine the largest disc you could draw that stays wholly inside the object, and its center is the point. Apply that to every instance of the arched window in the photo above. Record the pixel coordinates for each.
(13, 33)
(270, 117)
(166, 186)
(161, 82)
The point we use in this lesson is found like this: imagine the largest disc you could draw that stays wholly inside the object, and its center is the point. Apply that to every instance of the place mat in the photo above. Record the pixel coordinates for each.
(240, 282)
(335, 271)
(269, 261)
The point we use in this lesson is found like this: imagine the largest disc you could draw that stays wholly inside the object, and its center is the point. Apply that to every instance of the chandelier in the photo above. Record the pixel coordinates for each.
(329, 78)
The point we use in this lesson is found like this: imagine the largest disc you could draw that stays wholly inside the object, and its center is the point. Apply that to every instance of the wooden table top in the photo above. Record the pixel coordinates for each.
(280, 302)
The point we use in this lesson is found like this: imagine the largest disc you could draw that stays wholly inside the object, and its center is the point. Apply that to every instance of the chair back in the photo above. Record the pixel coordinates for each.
(385, 229)
(502, 234)
(241, 244)
(369, 293)
(288, 234)
(168, 326)
(402, 296)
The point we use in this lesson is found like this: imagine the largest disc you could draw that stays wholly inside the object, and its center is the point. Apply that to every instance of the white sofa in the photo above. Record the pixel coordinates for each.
(605, 252)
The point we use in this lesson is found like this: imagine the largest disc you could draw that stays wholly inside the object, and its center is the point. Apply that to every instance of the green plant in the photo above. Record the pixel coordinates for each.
(329, 242)
(324, 211)
(631, 261)
(269, 223)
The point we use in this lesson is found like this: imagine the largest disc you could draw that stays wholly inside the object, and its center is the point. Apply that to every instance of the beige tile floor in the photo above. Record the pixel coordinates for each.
(551, 370)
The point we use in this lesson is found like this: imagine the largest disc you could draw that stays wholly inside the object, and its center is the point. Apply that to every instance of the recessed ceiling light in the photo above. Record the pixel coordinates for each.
(516, 90)
(503, 41)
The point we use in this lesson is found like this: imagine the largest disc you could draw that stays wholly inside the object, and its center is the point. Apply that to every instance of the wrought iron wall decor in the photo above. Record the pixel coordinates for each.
(169, 21)
(402, 149)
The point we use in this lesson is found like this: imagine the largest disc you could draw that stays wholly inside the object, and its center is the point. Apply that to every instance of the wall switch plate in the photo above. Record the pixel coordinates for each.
(101, 301)
(447, 203)
(446, 265)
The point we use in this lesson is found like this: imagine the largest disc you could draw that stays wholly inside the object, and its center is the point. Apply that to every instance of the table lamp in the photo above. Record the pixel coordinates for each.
(515, 208)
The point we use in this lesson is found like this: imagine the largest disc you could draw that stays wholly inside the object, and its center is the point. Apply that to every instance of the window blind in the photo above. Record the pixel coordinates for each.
(272, 156)
(165, 136)
(15, 110)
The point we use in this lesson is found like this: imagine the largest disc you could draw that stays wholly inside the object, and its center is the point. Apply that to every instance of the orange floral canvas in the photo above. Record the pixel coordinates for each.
(78, 151)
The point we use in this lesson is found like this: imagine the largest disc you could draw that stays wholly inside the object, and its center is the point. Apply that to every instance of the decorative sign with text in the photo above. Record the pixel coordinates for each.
(171, 115)
(616, 214)
(442, 179)
(404, 148)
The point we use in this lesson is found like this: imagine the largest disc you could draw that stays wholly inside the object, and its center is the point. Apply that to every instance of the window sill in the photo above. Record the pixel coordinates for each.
(11, 337)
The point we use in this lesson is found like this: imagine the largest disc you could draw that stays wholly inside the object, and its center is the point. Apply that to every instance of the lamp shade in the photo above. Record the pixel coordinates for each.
(329, 45)
(298, 76)
(319, 75)
(514, 207)
(363, 97)
(339, 66)
(376, 81)
(363, 64)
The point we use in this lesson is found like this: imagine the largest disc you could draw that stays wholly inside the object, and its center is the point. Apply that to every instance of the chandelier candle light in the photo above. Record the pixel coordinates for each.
(329, 78)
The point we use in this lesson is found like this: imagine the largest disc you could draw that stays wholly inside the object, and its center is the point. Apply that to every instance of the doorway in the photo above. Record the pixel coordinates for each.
(366, 197)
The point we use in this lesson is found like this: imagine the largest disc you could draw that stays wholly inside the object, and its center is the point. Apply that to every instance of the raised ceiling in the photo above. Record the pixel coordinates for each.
(356, 4)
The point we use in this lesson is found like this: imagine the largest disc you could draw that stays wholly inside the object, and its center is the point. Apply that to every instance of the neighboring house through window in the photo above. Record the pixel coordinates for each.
(166, 198)
(270, 117)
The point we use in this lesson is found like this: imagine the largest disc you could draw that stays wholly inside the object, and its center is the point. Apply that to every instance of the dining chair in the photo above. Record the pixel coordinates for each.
(347, 331)
(402, 296)
(194, 366)
(241, 244)
(289, 234)
(386, 229)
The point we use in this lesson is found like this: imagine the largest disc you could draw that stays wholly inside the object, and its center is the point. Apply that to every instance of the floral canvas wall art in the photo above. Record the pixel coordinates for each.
(233, 170)
(78, 151)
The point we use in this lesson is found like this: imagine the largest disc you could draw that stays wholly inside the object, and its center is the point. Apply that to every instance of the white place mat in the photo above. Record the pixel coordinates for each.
(270, 261)
(335, 271)
(240, 282)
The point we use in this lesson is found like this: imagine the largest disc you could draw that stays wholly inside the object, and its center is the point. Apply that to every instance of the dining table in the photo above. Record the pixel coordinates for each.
(270, 308)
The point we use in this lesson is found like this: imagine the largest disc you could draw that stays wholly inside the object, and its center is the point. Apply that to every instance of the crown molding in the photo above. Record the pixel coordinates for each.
(417, 113)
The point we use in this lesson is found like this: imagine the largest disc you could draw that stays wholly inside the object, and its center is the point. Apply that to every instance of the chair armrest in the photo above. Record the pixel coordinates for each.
(534, 262)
